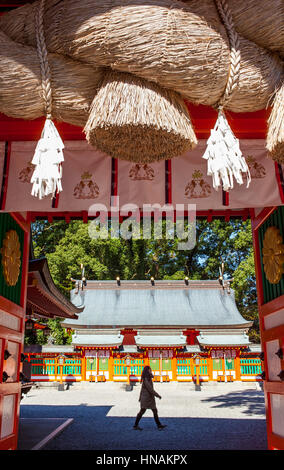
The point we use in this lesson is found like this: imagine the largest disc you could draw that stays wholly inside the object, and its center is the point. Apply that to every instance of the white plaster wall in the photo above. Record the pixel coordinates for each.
(7, 422)
(277, 412)
(274, 319)
(273, 361)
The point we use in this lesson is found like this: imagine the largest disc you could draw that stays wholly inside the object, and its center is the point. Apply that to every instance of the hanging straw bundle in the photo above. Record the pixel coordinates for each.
(259, 21)
(73, 84)
(181, 46)
(138, 121)
(275, 135)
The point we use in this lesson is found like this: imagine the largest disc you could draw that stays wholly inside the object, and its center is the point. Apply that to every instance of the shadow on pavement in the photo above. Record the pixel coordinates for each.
(93, 429)
(248, 400)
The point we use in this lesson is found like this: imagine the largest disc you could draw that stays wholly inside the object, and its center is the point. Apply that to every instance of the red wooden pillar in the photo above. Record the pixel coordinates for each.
(271, 319)
(14, 235)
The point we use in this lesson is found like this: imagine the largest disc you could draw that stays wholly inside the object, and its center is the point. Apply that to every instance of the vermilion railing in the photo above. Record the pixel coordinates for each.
(46, 368)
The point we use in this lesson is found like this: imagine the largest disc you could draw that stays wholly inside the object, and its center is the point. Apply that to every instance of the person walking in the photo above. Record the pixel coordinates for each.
(147, 399)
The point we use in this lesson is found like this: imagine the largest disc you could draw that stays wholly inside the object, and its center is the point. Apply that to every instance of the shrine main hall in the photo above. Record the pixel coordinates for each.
(161, 323)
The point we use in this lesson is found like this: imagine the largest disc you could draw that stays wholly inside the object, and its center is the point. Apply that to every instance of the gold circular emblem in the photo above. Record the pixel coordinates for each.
(273, 255)
(11, 257)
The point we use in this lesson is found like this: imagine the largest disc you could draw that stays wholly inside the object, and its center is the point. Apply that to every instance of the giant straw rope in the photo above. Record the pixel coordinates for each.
(211, 52)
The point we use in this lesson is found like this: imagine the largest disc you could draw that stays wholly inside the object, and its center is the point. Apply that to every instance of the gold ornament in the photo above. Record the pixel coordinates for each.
(273, 255)
(11, 257)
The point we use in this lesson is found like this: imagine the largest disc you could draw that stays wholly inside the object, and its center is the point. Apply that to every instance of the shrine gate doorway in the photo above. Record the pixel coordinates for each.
(270, 295)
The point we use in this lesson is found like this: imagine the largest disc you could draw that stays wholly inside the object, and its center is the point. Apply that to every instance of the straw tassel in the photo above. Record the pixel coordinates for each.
(224, 157)
(48, 156)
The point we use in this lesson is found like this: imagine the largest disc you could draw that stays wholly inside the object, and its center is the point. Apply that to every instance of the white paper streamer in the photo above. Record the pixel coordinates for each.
(48, 157)
(224, 157)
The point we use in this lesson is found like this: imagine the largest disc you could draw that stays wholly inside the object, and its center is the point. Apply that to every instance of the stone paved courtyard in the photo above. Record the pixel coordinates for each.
(101, 416)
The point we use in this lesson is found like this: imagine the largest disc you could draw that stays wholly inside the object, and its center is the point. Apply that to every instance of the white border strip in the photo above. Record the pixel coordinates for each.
(53, 434)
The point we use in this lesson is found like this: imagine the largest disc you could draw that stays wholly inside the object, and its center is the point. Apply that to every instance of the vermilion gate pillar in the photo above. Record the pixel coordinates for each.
(14, 256)
(268, 236)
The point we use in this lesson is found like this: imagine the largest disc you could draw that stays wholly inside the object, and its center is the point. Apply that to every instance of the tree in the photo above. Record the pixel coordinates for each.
(46, 236)
(57, 332)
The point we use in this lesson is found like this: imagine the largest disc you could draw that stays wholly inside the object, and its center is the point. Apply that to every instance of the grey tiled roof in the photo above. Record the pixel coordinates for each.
(134, 307)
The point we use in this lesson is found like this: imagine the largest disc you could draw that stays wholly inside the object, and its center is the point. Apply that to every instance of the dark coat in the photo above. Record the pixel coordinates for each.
(148, 394)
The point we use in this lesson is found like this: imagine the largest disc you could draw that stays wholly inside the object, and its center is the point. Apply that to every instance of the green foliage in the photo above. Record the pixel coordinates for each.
(66, 246)
(59, 334)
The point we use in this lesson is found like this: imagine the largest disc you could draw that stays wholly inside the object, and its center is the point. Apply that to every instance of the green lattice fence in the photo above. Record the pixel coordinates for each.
(49, 366)
(250, 366)
(183, 367)
(120, 368)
